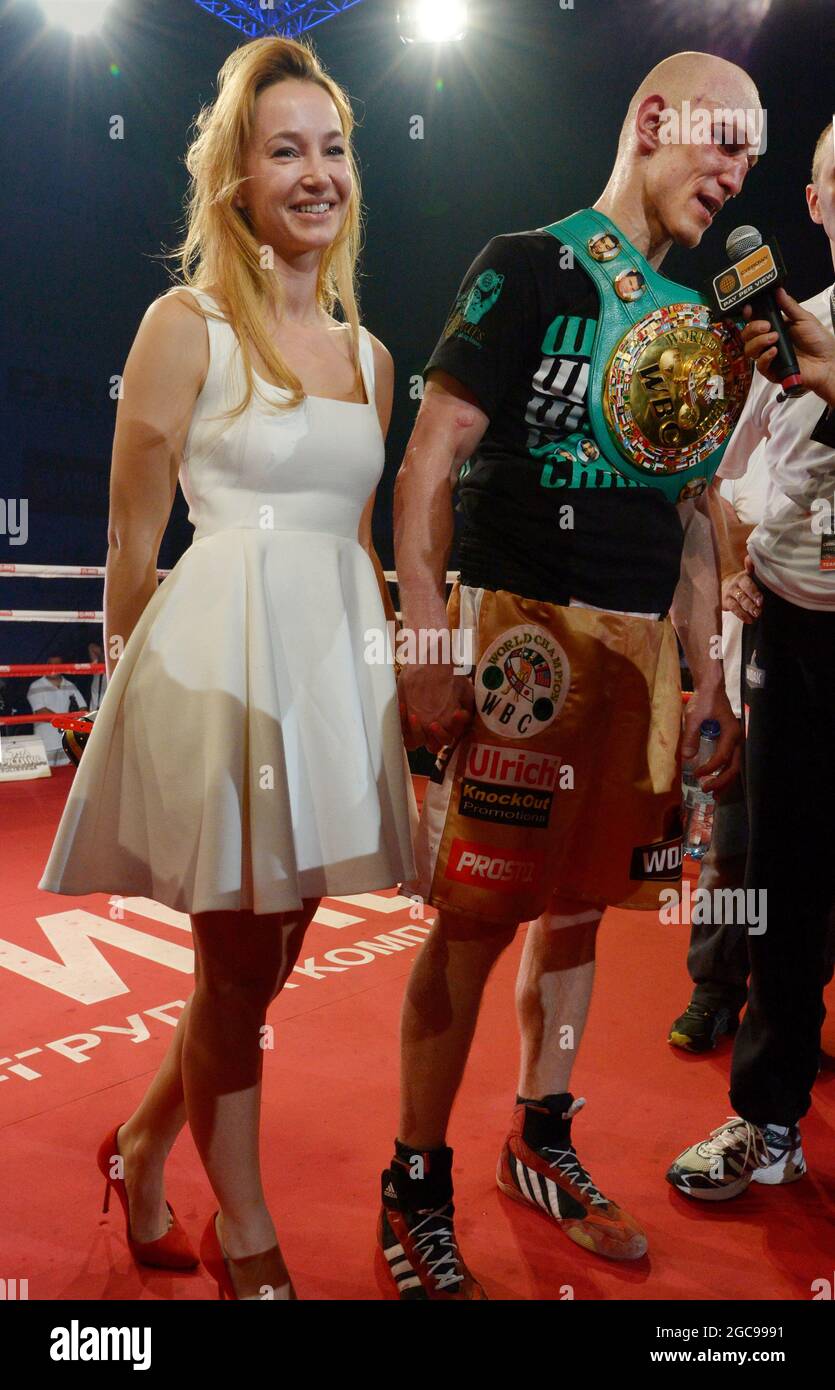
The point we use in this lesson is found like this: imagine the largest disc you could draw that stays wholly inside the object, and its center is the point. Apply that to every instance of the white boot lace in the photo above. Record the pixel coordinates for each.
(567, 1162)
(730, 1137)
(445, 1270)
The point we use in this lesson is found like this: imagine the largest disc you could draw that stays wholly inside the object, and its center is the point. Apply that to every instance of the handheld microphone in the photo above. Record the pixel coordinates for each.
(756, 271)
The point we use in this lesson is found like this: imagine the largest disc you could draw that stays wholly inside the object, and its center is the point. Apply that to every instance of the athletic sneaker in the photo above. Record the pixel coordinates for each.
(699, 1028)
(539, 1166)
(418, 1242)
(736, 1154)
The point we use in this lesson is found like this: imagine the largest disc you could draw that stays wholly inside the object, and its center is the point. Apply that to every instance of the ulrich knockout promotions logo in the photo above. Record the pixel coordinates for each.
(509, 787)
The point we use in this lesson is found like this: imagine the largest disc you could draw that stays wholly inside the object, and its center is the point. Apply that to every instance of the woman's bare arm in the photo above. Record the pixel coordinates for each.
(384, 393)
(163, 377)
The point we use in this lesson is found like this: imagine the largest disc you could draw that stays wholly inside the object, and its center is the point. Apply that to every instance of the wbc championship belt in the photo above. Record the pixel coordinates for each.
(667, 379)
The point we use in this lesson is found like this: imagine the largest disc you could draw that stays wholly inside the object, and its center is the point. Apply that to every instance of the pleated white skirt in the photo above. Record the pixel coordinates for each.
(246, 754)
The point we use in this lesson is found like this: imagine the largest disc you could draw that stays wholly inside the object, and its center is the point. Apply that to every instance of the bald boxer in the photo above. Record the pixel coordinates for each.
(584, 550)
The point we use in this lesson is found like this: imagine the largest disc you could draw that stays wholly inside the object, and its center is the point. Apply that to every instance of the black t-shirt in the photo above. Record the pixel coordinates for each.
(540, 520)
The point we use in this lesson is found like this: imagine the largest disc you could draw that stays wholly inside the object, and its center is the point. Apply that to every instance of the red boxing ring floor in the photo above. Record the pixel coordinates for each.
(330, 1107)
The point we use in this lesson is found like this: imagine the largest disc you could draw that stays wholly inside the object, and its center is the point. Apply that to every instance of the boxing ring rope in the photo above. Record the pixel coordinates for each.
(56, 571)
(98, 572)
(76, 720)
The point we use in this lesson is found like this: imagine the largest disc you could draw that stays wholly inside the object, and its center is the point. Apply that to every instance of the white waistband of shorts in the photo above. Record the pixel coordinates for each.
(618, 612)
(471, 602)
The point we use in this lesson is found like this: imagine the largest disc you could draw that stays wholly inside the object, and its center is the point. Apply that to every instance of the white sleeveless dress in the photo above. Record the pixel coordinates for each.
(246, 755)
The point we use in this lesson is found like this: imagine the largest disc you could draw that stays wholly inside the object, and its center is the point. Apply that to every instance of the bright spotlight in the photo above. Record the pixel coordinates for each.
(78, 16)
(432, 21)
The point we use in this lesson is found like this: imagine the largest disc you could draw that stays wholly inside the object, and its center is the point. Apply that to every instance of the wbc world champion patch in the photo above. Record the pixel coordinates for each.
(521, 682)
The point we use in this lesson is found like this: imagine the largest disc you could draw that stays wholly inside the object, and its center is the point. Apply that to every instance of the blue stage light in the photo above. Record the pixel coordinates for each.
(288, 18)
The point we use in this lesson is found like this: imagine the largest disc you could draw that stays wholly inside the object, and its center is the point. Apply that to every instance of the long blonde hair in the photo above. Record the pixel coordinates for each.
(220, 248)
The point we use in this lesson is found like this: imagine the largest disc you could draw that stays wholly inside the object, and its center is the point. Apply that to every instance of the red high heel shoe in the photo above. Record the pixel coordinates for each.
(173, 1250)
(211, 1253)
(214, 1258)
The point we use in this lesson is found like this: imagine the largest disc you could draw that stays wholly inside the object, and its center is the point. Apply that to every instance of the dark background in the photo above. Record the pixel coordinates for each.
(521, 126)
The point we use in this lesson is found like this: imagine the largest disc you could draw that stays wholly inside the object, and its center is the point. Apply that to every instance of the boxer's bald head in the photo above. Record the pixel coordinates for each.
(700, 78)
(691, 133)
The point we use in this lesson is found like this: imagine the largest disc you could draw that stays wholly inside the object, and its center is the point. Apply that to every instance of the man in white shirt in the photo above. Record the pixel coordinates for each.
(53, 695)
(789, 710)
(717, 960)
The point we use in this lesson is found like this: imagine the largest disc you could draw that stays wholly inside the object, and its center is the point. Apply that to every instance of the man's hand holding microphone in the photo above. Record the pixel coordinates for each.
(813, 346)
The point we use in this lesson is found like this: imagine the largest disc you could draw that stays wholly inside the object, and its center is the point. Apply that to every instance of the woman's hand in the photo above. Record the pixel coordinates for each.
(436, 706)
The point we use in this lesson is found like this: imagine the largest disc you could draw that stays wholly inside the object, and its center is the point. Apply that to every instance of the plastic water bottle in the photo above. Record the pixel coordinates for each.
(699, 804)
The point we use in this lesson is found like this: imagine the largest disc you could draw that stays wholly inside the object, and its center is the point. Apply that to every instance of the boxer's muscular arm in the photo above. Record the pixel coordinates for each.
(436, 705)
(163, 376)
(696, 615)
(449, 426)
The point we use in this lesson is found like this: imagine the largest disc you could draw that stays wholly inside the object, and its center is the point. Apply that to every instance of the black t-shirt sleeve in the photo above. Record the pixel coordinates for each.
(489, 328)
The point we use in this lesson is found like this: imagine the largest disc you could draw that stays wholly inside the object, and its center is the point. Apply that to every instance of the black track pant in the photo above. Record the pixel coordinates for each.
(790, 782)
(718, 955)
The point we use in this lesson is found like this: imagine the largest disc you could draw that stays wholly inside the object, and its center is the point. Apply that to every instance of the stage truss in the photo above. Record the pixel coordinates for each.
(288, 18)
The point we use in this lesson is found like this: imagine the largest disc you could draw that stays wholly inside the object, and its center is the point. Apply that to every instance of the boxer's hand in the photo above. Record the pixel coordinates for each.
(741, 597)
(720, 770)
(814, 347)
(436, 706)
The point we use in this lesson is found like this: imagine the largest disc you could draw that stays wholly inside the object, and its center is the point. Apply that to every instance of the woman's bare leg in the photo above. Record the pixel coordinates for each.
(146, 1139)
(241, 963)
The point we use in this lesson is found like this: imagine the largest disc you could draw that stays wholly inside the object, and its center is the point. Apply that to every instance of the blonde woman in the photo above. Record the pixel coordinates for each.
(246, 760)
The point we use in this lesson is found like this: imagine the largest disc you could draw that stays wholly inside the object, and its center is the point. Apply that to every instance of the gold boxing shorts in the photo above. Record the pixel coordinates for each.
(568, 781)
